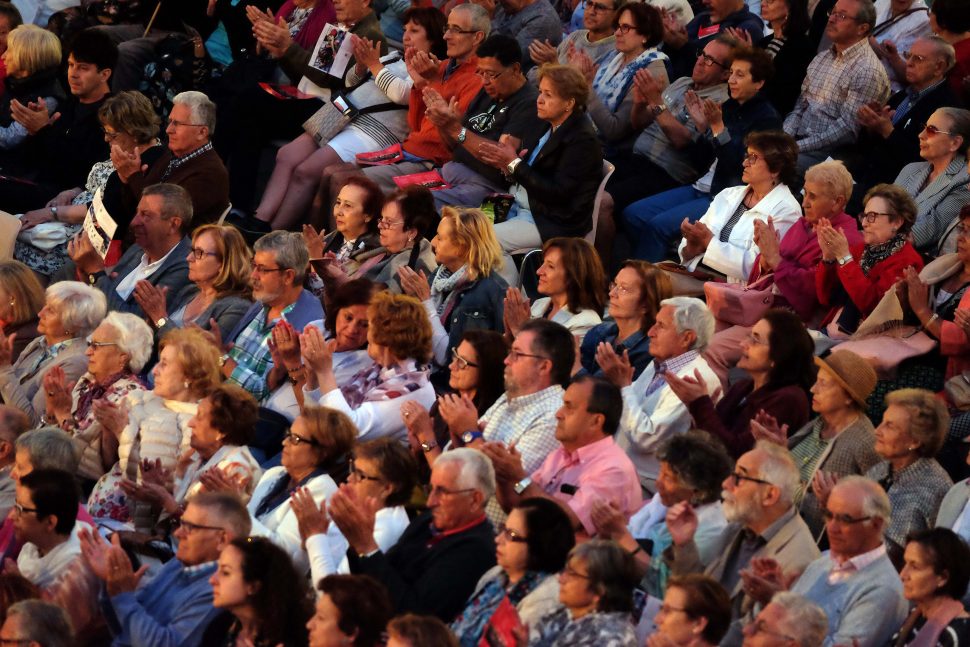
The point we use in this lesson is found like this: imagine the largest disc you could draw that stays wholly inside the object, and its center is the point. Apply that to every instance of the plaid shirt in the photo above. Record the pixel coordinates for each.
(671, 365)
(251, 354)
(529, 421)
(835, 87)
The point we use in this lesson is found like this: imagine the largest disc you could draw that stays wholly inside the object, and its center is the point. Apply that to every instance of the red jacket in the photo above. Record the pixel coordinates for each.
(424, 140)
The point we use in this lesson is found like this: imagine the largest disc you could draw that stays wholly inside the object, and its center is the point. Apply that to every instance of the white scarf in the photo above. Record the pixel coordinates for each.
(45, 570)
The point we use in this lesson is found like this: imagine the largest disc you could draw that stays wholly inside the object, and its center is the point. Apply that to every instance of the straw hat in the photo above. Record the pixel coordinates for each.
(854, 374)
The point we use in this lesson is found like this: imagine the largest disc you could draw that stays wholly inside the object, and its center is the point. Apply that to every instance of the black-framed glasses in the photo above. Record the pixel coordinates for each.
(454, 29)
(198, 253)
(489, 75)
(21, 510)
(738, 477)
(358, 475)
(623, 30)
(839, 15)
(262, 269)
(289, 436)
(461, 361)
(933, 131)
(190, 527)
(870, 216)
(508, 534)
(843, 519)
(710, 60)
(514, 356)
(99, 344)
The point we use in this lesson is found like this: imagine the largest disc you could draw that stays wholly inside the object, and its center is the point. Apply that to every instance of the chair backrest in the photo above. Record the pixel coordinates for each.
(607, 172)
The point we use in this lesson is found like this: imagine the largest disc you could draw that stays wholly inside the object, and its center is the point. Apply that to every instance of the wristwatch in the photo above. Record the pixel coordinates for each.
(845, 259)
(471, 436)
(54, 214)
(520, 487)
(428, 446)
(462, 134)
(160, 323)
(658, 109)
(510, 169)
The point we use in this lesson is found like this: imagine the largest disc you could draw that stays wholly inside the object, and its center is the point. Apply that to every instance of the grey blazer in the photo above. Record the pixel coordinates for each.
(953, 504)
(20, 384)
(937, 205)
(172, 274)
(227, 311)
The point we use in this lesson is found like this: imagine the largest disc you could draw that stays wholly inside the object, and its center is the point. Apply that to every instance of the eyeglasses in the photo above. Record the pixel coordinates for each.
(569, 571)
(99, 344)
(514, 356)
(596, 6)
(751, 159)
(758, 627)
(839, 15)
(357, 475)
(190, 527)
(453, 29)
(666, 608)
(710, 60)
(624, 290)
(916, 58)
(843, 519)
(174, 123)
(21, 510)
(298, 440)
(933, 131)
(756, 340)
(382, 223)
(438, 490)
(508, 534)
(489, 75)
(262, 269)
(623, 30)
(870, 216)
(461, 361)
(738, 477)
(198, 253)
(110, 136)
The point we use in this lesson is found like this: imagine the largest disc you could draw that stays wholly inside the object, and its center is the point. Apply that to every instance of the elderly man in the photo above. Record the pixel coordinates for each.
(155, 265)
(597, 40)
(586, 468)
(840, 80)
(652, 411)
(279, 266)
(789, 619)
(435, 565)
(36, 623)
(13, 422)
(190, 161)
(762, 522)
(527, 21)
(175, 606)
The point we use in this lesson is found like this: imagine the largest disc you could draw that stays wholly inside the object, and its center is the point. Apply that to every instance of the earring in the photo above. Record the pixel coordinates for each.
(185, 384)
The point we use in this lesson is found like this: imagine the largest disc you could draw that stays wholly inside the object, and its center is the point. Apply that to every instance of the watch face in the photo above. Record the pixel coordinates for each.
(467, 437)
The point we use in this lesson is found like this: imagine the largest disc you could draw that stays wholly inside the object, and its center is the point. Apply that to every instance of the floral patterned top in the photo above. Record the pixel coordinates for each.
(597, 629)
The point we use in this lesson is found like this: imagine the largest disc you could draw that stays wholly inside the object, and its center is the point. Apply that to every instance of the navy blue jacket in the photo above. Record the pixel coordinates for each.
(698, 35)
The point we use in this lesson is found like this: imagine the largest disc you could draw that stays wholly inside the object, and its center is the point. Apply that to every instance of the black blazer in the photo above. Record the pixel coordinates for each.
(563, 178)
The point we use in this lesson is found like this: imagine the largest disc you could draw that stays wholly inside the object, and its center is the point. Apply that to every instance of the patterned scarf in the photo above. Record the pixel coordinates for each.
(375, 383)
(874, 254)
(91, 391)
(444, 289)
(176, 162)
(613, 80)
(471, 624)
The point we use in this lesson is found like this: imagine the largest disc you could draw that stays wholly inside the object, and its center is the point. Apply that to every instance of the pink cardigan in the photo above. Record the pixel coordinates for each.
(954, 343)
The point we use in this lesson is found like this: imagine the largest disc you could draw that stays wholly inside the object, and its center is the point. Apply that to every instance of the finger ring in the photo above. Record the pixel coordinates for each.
(50, 393)
(407, 413)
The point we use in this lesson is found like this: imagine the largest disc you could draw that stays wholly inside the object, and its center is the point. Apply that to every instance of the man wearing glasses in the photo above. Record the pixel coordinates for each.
(788, 621)
(683, 45)
(597, 40)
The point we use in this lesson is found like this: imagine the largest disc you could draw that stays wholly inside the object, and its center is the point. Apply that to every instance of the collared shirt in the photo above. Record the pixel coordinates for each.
(39, 354)
(746, 545)
(176, 162)
(672, 365)
(251, 353)
(143, 270)
(529, 421)
(911, 99)
(836, 86)
(841, 571)
(596, 472)
(198, 568)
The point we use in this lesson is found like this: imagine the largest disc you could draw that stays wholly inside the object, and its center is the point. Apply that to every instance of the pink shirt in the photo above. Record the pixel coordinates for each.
(600, 471)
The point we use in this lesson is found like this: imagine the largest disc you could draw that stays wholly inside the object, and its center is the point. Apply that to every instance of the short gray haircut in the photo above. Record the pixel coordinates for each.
(229, 510)
(289, 249)
(176, 202)
(959, 124)
(476, 469)
(13, 423)
(804, 620)
(42, 622)
(875, 501)
(779, 468)
(943, 49)
(133, 336)
(80, 306)
(203, 110)
(478, 16)
(692, 314)
(49, 448)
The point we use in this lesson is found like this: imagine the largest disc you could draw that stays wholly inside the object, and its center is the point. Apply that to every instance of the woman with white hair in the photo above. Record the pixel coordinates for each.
(71, 311)
(117, 350)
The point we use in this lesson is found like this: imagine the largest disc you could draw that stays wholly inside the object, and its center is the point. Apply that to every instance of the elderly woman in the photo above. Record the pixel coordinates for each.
(117, 350)
(696, 612)
(21, 298)
(32, 59)
(839, 441)
(722, 242)
(638, 29)
(571, 280)
(938, 184)
(792, 260)
(465, 292)
(530, 549)
(911, 433)
(346, 325)
(596, 592)
(355, 214)
(851, 279)
(399, 342)
(153, 425)
(693, 466)
(387, 86)
(571, 157)
(634, 300)
(128, 121)
(219, 288)
(936, 570)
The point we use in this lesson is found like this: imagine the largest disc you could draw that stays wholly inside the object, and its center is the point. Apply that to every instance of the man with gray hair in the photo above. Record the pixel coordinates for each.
(33, 622)
(763, 522)
(13, 423)
(652, 412)
(190, 161)
(279, 266)
(789, 618)
(435, 565)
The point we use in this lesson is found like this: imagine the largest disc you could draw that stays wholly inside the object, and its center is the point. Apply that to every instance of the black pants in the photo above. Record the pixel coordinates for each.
(636, 178)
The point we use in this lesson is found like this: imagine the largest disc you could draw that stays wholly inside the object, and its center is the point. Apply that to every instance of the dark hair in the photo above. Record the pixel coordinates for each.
(901, 204)
(373, 198)
(798, 21)
(647, 21)
(234, 413)
(655, 286)
(14, 18)
(585, 277)
(491, 348)
(610, 572)
(762, 65)
(706, 598)
(951, 15)
(700, 461)
(364, 606)
(790, 349)
(94, 46)
(395, 465)
(604, 398)
(501, 47)
(54, 492)
(426, 631)
(555, 342)
(356, 292)
(779, 151)
(280, 598)
(176, 203)
(417, 208)
(433, 22)
(15, 588)
(948, 554)
(549, 534)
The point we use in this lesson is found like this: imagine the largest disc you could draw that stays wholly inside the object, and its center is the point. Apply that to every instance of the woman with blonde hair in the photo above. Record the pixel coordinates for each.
(21, 298)
(33, 59)
(465, 292)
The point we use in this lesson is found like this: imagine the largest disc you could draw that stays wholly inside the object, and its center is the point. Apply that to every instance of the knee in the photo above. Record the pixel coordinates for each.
(306, 173)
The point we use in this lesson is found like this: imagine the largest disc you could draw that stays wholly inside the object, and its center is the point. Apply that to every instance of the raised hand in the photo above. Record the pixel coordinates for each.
(649, 87)
(498, 154)
(766, 238)
(314, 241)
(151, 299)
(59, 402)
(762, 579)
(543, 52)
(34, 116)
(126, 163)
(317, 353)
(355, 518)
(681, 523)
(310, 518)
(112, 417)
(215, 479)
(616, 368)
(367, 53)
(417, 420)
(287, 342)
(507, 462)
(822, 484)
(122, 578)
(414, 284)
(274, 37)
(764, 426)
(458, 412)
(517, 311)
(608, 519)
(695, 108)
(687, 388)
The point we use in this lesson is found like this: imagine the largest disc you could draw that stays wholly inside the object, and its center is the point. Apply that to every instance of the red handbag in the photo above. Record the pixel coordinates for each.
(740, 305)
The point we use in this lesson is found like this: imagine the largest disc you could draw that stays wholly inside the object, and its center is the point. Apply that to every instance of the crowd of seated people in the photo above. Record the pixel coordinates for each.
(542, 323)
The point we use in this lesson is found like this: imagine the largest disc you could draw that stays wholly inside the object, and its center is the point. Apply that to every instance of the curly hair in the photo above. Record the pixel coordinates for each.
(400, 323)
(585, 277)
(699, 460)
(197, 357)
(332, 430)
(131, 113)
(235, 256)
(356, 292)
(655, 286)
(235, 413)
(364, 606)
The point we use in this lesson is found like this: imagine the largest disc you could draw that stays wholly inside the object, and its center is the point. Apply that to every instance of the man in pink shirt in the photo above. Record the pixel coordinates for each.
(588, 466)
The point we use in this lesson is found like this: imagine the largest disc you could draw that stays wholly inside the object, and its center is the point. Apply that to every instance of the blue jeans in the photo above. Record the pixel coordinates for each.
(655, 221)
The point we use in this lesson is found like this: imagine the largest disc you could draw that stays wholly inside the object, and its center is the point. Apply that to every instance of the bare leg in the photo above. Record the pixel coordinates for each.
(287, 159)
(303, 186)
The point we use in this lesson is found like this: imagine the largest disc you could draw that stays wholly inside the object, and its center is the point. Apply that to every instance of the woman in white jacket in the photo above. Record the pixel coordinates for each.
(722, 241)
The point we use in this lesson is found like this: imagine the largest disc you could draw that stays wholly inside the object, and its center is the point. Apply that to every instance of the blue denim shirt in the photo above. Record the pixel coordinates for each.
(637, 344)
